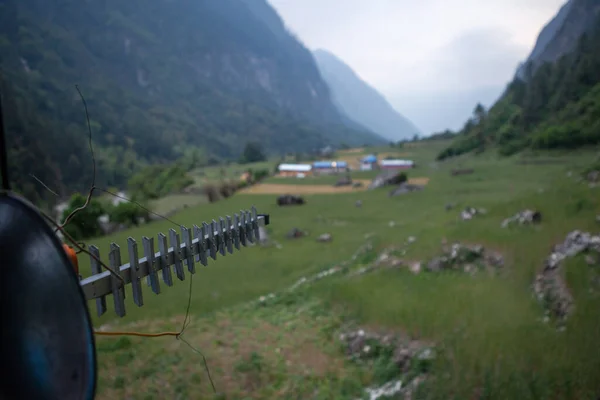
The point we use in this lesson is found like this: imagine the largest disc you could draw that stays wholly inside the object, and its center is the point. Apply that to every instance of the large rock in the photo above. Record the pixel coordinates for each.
(388, 178)
(525, 217)
(549, 286)
(290, 200)
(467, 258)
(405, 188)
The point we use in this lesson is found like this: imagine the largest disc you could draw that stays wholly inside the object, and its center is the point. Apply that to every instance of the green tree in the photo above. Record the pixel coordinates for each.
(253, 152)
(127, 213)
(84, 223)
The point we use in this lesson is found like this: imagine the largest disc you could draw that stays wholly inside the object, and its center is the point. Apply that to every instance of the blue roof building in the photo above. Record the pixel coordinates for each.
(370, 159)
(330, 164)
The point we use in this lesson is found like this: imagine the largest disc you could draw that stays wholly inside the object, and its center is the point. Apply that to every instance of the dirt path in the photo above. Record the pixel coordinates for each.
(275, 188)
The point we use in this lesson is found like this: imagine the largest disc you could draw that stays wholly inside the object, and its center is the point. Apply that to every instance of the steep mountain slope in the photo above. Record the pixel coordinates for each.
(361, 102)
(557, 105)
(159, 77)
(548, 33)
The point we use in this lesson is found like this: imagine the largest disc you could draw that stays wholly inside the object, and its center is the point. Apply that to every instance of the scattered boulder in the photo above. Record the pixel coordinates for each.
(470, 213)
(467, 258)
(591, 260)
(405, 188)
(549, 286)
(415, 268)
(296, 233)
(290, 200)
(388, 178)
(412, 358)
(357, 184)
(593, 176)
(525, 217)
(326, 237)
(358, 203)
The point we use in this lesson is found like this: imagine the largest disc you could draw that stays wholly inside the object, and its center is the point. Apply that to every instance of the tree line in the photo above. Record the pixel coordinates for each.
(555, 106)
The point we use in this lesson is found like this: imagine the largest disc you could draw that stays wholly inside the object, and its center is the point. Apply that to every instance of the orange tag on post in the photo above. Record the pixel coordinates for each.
(72, 256)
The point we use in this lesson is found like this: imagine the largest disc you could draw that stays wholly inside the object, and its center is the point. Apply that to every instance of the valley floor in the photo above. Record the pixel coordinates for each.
(282, 321)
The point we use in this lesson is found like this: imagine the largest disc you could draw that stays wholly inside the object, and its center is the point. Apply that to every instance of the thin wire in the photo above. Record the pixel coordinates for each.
(93, 185)
(205, 362)
(81, 247)
(3, 151)
(139, 205)
(43, 184)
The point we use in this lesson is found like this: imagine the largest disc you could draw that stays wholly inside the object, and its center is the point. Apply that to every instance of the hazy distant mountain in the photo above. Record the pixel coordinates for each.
(361, 102)
(441, 110)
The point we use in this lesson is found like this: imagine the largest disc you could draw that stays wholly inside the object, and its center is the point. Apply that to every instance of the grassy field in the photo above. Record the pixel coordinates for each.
(487, 331)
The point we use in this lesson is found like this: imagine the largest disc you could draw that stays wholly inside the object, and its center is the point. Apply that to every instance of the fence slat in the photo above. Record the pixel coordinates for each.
(198, 234)
(202, 245)
(134, 269)
(222, 236)
(228, 239)
(163, 249)
(189, 255)
(255, 224)
(174, 237)
(249, 230)
(242, 228)
(118, 289)
(97, 269)
(236, 231)
(148, 245)
(212, 244)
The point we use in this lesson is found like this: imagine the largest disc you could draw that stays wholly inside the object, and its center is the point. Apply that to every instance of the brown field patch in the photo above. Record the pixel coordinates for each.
(418, 181)
(274, 188)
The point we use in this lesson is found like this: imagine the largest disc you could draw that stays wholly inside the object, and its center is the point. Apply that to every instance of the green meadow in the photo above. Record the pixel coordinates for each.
(487, 330)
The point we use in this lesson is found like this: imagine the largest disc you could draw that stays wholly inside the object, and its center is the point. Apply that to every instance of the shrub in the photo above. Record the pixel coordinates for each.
(212, 193)
(260, 175)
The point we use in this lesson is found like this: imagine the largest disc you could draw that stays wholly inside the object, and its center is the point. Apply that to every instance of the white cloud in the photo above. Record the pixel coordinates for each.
(410, 48)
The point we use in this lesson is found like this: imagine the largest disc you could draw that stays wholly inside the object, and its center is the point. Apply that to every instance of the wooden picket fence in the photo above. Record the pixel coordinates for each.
(197, 244)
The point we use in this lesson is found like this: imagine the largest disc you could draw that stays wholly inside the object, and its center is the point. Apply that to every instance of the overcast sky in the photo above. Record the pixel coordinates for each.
(430, 58)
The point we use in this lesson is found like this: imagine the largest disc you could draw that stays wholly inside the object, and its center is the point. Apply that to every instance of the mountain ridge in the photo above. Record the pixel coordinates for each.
(556, 104)
(360, 101)
(158, 77)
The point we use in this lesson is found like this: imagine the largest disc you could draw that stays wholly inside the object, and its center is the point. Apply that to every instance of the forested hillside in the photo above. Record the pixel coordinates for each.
(161, 78)
(555, 105)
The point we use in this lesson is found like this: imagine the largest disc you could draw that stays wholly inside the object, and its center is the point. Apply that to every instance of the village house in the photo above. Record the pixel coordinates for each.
(294, 170)
(329, 167)
(368, 163)
(396, 164)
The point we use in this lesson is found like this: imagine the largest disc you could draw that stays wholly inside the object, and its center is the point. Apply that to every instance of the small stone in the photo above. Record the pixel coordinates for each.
(591, 260)
(326, 237)
(415, 268)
